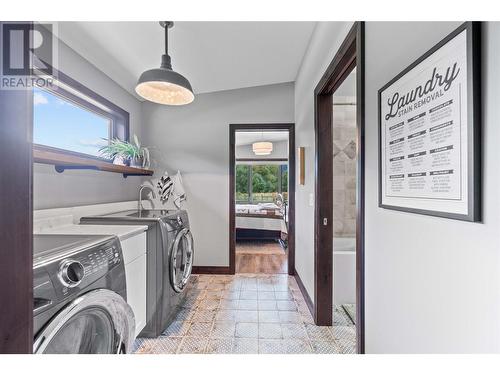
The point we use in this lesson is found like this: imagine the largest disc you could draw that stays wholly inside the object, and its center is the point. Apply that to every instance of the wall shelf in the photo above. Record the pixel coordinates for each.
(62, 161)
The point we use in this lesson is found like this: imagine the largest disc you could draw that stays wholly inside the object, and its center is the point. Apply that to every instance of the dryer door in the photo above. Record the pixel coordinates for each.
(181, 260)
(99, 322)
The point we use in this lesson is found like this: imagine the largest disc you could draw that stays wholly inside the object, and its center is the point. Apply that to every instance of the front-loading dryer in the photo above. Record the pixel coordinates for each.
(80, 296)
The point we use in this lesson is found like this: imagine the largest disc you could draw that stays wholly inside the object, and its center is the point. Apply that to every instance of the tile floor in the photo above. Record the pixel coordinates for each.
(249, 314)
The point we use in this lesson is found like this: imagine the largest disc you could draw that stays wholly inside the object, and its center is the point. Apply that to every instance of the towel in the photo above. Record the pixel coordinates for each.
(178, 193)
(165, 186)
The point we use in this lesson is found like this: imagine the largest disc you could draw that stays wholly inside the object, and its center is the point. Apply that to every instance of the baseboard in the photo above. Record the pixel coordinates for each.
(302, 288)
(209, 270)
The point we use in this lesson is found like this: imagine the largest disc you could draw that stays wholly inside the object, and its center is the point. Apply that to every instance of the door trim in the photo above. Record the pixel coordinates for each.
(349, 55)
(291, 187)
(16, 217)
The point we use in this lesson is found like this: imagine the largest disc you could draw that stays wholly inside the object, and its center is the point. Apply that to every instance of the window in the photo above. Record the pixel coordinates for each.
(73, 119)
(260, 183)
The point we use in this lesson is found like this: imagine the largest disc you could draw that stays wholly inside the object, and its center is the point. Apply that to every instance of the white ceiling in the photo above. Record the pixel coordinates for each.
(214, 56)
(247, 138)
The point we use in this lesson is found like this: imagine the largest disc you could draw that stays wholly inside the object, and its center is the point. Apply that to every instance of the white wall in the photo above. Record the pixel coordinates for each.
(195, 140)
(324, 43)
(73, 188)
(432, 284)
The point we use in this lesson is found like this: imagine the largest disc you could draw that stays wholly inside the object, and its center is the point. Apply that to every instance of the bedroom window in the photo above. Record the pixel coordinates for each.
(260, 183)
(72, 119)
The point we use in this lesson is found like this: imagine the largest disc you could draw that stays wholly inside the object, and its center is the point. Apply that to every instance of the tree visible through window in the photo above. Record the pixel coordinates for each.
(260, 183)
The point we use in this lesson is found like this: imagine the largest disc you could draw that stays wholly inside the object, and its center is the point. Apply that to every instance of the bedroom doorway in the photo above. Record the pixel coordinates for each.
(262, 186)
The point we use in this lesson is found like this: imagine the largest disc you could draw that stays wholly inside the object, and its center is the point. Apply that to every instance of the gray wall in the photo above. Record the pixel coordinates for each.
(195, 140)
(432, 284)
(73, 188)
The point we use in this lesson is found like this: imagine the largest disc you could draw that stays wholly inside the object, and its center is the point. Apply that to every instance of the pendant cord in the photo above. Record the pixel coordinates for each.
(166, 40)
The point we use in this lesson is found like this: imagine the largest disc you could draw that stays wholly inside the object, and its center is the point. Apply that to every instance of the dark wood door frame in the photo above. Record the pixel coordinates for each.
(349, 55)
(16, 238)
(233, 128)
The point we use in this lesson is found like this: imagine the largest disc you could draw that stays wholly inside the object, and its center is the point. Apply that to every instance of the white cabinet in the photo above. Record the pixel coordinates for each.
(134, 255)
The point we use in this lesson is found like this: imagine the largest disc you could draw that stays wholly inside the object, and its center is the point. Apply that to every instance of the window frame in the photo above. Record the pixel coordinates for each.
(71, 90)
(250, 179)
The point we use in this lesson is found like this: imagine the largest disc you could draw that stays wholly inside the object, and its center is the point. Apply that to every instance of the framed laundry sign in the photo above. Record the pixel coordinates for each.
(429, 131)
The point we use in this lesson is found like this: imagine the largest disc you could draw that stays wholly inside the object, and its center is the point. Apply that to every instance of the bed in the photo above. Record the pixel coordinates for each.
(260, 221)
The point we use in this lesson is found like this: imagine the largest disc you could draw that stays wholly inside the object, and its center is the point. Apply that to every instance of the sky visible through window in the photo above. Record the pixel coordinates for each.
(62, 124)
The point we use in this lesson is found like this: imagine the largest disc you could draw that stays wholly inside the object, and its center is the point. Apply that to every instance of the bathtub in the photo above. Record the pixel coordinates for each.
(344, 270)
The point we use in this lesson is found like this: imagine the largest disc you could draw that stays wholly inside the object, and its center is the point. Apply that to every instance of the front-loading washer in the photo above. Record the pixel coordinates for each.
(80, 296)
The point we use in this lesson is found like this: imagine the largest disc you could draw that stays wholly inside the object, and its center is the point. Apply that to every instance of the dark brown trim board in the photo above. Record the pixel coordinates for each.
(303, 290)
(16, 220)
(212, 270)
(349, 55)
(290, 127)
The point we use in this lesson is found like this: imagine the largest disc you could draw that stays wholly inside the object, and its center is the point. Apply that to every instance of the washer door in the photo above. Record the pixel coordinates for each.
(181, 260)
(99, 322)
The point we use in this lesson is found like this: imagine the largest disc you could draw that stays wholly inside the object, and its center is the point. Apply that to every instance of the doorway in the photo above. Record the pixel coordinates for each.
(339, 181)
(261, 202)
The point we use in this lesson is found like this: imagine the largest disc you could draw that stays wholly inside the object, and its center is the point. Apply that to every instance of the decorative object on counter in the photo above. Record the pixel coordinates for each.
(429, 131)
(126, 153)
(165, 186)
(178, 193)
(302, 168)
(164, 85)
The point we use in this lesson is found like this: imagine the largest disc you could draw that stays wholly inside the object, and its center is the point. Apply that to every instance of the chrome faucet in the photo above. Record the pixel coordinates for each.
(141, 188)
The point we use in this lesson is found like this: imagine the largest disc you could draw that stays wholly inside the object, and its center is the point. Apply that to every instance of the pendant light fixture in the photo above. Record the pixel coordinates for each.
(262, 148)
(163, 85)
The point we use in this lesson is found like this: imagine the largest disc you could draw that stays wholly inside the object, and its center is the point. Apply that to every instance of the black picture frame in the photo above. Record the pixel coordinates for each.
(473, 47)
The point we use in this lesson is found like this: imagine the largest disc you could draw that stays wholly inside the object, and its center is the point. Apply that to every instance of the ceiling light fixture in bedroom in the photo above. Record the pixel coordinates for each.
(164, 85)
(262, 148)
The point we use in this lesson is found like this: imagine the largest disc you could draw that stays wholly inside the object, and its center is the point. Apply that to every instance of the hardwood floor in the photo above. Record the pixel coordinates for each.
(265, 257)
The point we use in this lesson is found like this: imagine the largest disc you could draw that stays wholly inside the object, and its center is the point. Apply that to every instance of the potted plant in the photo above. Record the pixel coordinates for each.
(126, 153)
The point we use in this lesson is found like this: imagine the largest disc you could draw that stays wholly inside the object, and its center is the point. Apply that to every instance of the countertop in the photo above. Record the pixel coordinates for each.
(121, 231)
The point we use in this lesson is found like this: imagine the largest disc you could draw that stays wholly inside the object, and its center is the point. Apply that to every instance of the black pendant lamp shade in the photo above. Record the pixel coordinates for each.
(163, 85)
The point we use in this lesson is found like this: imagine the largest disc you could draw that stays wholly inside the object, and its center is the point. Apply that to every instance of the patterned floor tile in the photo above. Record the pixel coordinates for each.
(324, 347)
(247, 330)
(220, 346)
(294, 331)
(290, 317)
(247, 304)
(344, 333)
(269, 316)
(267, 305)
(270, 331)
(246, 346)
(200, 329)
(286, 305)
(162, 345)
(297, 346)
(209, 304)
(223, 329)
(192, 345)
(248, 294)
(177, 328)
(226, 315)
(318, 333)
(269, 346)
(204, 316)
(347, 346)
(249, 314)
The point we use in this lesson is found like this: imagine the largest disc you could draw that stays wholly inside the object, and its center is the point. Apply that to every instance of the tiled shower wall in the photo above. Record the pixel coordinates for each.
(344, 170)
